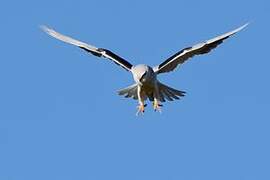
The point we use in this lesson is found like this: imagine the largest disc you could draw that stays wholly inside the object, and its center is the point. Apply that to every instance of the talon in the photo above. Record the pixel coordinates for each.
(157, 106)
(141, 109)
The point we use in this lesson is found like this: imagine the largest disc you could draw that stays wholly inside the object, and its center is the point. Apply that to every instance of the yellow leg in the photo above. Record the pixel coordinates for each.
(157, 105)
(141, 106)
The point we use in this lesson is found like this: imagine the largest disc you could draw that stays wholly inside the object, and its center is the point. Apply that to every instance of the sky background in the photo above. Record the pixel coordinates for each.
(60, 115)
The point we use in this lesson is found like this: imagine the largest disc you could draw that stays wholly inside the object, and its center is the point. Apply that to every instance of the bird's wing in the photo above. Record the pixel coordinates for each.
(186, 53)
(100, 52)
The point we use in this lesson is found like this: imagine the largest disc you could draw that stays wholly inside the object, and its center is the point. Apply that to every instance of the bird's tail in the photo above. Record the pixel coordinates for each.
(168, 93)
(165, 93)
(129, 92)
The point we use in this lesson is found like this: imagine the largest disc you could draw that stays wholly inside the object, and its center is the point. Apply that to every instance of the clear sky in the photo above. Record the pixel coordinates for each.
(60, 115)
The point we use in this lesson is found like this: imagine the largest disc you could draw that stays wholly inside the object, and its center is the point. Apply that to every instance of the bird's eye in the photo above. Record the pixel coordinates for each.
(143, 76)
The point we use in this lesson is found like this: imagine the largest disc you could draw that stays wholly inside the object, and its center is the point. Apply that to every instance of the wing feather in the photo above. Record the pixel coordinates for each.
(100, 52)
(202, 48)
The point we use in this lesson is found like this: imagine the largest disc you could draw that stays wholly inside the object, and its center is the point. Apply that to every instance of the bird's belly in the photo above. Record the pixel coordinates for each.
(148, 84)
(148, 87)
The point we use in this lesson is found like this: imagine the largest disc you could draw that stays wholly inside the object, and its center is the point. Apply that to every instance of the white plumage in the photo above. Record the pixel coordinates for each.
(146, 84)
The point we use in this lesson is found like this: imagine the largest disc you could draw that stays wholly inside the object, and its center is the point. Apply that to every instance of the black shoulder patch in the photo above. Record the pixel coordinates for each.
(116, 58)
(92, 52)
(170, 58)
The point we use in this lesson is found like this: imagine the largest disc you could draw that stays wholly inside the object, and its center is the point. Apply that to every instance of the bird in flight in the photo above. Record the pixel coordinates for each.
(146, 85)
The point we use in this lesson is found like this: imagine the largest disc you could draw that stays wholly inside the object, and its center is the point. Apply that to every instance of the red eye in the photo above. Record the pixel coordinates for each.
(142, 76)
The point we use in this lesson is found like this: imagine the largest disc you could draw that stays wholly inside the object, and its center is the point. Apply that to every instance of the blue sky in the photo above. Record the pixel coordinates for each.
(60, 116)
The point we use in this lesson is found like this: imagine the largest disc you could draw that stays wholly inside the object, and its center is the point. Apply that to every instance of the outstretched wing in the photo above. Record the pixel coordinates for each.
(100, 52)
(201, 48)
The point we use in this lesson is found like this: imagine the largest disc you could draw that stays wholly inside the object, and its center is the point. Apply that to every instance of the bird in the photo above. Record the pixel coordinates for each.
(147, 85)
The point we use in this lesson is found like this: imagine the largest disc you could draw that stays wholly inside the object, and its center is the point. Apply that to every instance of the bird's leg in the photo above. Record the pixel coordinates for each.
(141, 105)
(156, 104)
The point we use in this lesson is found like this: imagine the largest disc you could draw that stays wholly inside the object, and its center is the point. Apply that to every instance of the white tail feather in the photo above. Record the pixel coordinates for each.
(168, 93)
(165, 93)
(130, 91)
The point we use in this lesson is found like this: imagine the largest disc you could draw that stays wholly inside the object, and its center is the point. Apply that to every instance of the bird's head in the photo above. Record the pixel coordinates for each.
(140, 73)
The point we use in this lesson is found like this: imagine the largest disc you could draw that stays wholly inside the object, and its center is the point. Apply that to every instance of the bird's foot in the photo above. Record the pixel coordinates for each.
(141, 108)
(157, 106)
